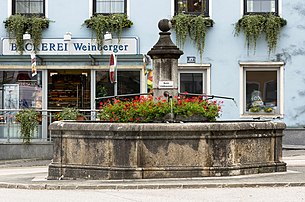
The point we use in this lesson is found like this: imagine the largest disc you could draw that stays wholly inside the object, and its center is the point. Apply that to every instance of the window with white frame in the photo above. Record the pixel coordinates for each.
(109, 6)
(261, 6)
(28, 7)
(262, 88)
(196, 7)
(193, 79)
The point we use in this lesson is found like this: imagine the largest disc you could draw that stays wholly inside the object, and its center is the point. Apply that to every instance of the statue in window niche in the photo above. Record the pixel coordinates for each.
(256, 99)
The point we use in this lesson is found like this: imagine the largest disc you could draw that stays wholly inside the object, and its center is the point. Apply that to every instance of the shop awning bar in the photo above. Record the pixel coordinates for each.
(91, 59)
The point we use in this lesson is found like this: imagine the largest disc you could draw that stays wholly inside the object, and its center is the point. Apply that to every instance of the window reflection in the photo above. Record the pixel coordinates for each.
(18, 89)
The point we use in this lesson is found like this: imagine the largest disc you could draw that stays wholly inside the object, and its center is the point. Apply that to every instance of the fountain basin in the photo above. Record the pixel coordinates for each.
(95, 150)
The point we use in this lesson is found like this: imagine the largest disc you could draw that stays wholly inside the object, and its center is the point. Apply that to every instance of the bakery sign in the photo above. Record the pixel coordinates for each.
(74, 47)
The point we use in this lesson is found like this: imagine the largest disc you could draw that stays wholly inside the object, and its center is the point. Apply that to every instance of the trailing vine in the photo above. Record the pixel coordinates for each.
(254, 25)
(36, 27)
(17, 25)
(114, 23)
(272, 30)
(28, 119)
(193, 26)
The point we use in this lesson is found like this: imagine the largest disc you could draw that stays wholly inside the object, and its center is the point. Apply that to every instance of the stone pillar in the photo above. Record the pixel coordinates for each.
(165, 55)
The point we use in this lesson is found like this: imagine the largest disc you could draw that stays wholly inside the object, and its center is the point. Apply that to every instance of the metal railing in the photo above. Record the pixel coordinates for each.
(10, 128)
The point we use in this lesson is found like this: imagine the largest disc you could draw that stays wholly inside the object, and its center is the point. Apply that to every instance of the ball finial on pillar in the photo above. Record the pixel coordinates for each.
(165, 25)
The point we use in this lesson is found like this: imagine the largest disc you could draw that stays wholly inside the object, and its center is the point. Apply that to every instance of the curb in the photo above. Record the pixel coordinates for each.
(151, 186)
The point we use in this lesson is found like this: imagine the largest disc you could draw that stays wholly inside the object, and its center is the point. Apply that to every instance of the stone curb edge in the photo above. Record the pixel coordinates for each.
(150, 186)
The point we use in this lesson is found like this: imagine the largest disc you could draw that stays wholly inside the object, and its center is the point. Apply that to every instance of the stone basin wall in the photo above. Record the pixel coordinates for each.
(95, 150)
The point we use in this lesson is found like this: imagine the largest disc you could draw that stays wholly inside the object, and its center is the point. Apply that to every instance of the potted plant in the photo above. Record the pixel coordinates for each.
(17, 25)
(193, 26)
(255, 25)
(114, 23)
(28, 119)
(70, 113)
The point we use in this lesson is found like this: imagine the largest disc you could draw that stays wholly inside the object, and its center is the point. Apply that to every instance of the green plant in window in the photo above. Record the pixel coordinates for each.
(255, 109)
(254, 25)
(28, 119)
(268, 109)
(193, 26)
(113, 23)
(17, 25)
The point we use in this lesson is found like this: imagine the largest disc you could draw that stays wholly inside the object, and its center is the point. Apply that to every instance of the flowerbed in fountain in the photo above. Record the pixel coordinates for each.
(144, 109)
(115, 150)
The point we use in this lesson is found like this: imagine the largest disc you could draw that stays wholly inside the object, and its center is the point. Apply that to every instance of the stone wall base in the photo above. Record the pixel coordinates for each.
(95, 173)
(160, 150)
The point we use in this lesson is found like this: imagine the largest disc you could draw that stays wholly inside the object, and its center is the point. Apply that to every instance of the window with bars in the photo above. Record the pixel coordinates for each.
(29, 7)
(196, 7)
(109, 6)
(260, 6)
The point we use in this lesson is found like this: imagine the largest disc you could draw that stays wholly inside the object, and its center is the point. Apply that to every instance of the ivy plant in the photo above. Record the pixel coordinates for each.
(17, 25)
(193, 26)
(28, 119)
(254, 26)
(114, 23)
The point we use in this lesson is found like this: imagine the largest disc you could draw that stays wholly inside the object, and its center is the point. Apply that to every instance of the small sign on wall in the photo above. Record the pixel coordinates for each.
(191, 59)
(166, 84)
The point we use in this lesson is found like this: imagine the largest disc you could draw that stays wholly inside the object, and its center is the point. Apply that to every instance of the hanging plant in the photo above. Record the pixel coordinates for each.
(272, 29)
(28, 119)
(180, 23)
(114, 23)
(193, 26)
(254, 25)
(17, 25)
(35, 28)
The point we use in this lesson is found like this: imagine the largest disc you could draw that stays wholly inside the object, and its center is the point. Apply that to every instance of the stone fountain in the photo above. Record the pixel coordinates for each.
(99, 150)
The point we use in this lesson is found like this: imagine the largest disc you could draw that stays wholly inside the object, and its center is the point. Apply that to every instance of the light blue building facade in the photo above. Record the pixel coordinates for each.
(72, 72)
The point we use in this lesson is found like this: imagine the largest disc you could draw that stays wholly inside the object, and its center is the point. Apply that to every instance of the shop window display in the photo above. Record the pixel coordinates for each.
(128, 82)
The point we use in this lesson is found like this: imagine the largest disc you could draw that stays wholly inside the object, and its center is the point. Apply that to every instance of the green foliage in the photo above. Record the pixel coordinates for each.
(17, 25)
(113, 23)
(255, 109)
(68, 113)
(268, 109)
(144, 109)
(254, 25)
(193, 26)
(272, 29)
(28, 122)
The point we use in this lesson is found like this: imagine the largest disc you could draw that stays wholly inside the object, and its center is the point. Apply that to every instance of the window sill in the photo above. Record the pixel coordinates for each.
(261, 115)
(106, 14)
(260, 13)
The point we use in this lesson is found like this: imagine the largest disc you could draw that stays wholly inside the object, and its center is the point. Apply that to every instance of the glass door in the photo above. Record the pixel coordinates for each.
(69, 88)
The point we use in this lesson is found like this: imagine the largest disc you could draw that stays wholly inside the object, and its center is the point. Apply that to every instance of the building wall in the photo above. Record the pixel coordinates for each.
(223, 50)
